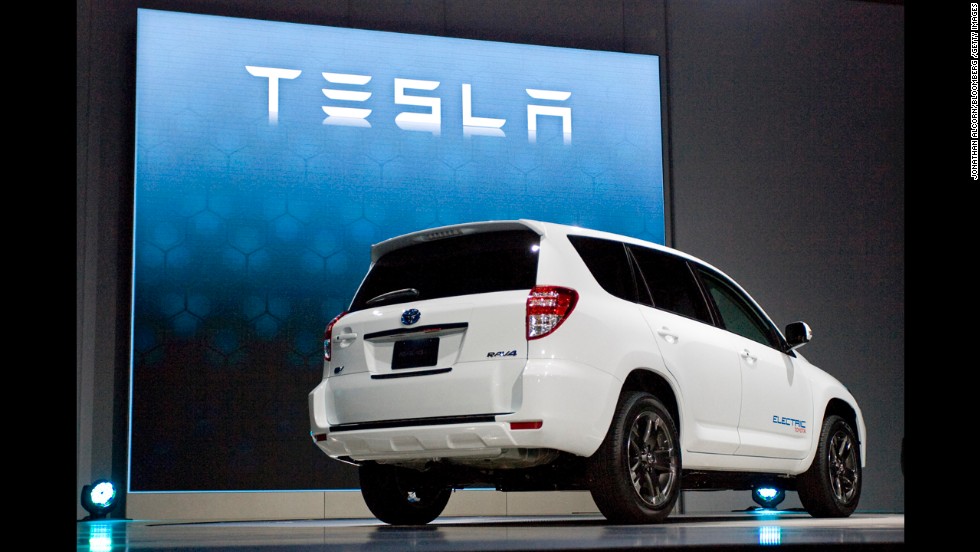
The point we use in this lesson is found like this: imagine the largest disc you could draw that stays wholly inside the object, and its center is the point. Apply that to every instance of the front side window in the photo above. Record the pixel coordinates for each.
(738, 315)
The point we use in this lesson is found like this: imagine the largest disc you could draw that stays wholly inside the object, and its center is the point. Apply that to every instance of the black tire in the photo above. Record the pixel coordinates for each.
(831, 487)
(402, 496)
(635, 476)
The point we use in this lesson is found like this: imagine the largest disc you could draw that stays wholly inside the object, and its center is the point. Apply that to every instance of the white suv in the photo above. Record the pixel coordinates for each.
(524, 355)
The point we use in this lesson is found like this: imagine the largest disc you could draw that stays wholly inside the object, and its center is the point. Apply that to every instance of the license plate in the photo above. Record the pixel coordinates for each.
(415, 353)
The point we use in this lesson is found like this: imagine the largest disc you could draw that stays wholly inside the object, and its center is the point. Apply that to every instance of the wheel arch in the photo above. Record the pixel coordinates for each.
(641, 379)
(841, 408)
(837, 406)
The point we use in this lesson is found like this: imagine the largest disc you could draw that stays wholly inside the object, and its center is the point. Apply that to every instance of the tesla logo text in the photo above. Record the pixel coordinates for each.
(498, 354)
(349, 104)
(799, 426)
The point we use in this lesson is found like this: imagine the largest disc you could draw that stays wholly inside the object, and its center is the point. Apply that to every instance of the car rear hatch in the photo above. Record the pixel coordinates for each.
(436, 332)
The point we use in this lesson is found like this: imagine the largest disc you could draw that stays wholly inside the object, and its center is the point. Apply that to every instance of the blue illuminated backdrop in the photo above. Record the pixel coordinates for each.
(271, 155)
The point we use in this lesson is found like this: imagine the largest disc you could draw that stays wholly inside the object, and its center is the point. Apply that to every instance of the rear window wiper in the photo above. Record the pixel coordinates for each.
(398, 293)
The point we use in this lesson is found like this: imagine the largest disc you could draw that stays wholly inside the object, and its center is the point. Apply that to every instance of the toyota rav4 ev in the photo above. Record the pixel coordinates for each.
(528, 356)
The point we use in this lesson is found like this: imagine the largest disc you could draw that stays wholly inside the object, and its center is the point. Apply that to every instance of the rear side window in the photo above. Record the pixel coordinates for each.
(609, 264)
(671, 283)
(463, 265)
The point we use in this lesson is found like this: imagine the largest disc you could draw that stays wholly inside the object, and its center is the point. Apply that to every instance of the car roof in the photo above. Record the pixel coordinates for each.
(546, 229)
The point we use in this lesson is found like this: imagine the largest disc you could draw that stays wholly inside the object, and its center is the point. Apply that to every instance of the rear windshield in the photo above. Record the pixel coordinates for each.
(463, 265)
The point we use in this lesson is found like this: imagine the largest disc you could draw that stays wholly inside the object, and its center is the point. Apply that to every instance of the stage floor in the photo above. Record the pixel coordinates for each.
(734, 531)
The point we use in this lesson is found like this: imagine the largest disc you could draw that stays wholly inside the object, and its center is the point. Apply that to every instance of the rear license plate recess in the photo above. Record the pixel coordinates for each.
(415, 353)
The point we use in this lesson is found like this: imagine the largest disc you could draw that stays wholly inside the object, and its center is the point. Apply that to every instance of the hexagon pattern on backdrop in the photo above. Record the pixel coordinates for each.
(251, 234)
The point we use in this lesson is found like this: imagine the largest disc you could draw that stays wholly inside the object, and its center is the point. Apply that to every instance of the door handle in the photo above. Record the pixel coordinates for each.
(748, 356)
(345, 337)
(668, 336)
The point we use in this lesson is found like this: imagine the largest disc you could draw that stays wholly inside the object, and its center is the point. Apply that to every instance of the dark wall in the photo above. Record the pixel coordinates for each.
(785, 168)
(788, 158)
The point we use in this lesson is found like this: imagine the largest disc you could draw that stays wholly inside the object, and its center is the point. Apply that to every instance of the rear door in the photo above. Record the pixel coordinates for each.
(698, 354)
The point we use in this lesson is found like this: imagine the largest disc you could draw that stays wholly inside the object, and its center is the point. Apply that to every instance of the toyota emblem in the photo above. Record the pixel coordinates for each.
(411, 316)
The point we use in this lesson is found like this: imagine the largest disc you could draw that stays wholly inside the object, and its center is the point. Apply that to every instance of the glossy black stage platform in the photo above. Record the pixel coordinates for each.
(736, 531)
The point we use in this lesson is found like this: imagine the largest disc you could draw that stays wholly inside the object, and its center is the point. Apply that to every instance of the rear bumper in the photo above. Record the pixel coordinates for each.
(574, 403)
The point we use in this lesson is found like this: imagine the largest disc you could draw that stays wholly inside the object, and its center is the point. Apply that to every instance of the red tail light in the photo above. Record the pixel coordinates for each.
(526, 425)
(327, 334)
(547, 308)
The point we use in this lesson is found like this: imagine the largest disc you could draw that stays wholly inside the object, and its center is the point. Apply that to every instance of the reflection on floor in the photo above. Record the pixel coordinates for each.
(735, 531)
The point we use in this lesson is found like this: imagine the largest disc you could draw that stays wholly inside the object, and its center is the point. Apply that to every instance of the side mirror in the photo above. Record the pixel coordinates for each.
(798, 334)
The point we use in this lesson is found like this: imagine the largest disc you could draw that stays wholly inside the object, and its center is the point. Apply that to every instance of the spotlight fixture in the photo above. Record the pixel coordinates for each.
(98, 499)
(768, 497)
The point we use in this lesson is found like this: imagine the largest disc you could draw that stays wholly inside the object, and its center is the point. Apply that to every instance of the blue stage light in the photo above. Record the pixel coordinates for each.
(99, 498)
(768, 497)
